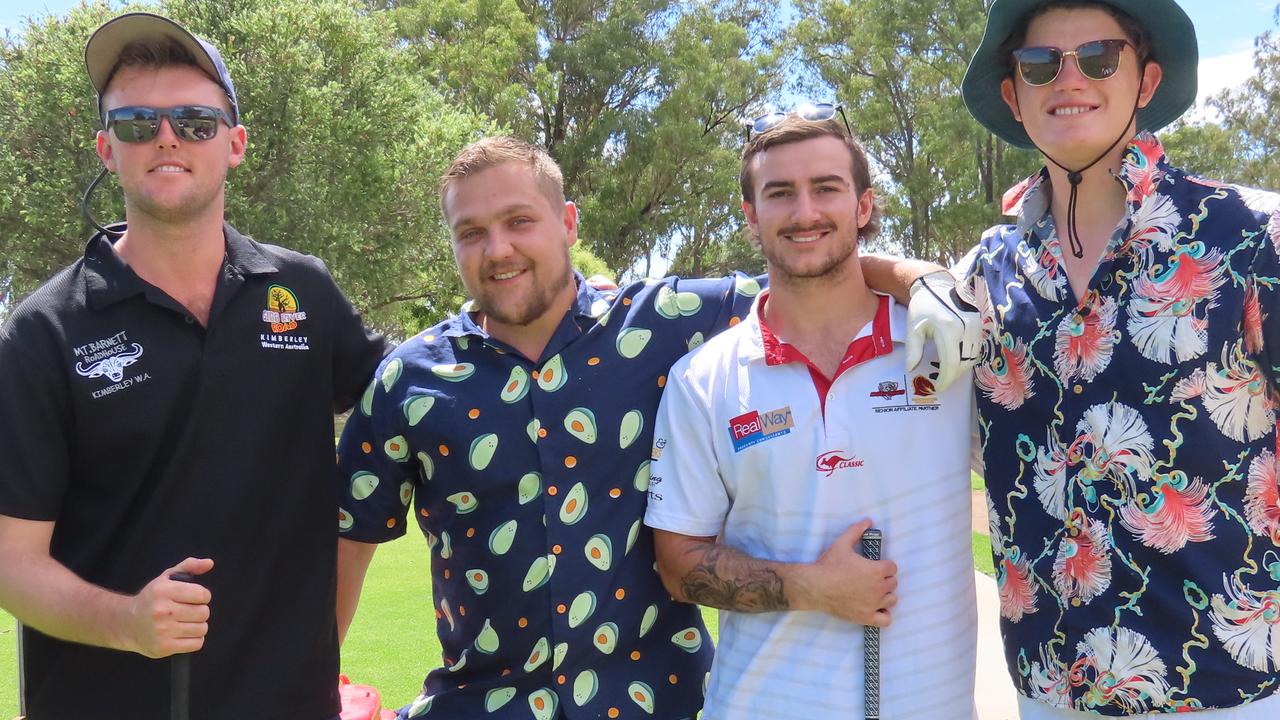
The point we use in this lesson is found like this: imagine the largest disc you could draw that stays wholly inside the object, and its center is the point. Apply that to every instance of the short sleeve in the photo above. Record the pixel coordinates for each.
(357, 350)
(377, 469)
(1261, 324)
(724, 302)
(686, 493)
(35, 456)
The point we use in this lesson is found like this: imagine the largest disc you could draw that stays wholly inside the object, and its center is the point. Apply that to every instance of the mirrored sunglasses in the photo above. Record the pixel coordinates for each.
(1097, 60)
(196, 123)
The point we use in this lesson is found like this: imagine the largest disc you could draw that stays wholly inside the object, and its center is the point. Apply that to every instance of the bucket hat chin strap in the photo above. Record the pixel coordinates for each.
(1075, 177)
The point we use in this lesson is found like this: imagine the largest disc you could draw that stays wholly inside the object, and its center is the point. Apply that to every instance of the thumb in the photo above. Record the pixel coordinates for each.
(852, 535)
(191, 566)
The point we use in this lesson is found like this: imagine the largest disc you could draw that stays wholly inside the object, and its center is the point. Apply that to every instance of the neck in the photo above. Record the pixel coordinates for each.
(177, 257)
(531, 339)
(809, 310)
(1100, 203)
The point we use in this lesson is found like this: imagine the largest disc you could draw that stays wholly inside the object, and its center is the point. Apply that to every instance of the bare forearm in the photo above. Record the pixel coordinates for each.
(43, 594)
(894, 275)
(353, 564)
(722, 577)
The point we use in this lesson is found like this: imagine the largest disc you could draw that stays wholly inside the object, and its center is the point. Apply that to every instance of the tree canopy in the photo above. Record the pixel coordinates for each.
(354, 108)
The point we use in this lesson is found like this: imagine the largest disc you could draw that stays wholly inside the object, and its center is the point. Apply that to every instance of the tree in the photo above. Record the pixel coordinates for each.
(896, 68)
(1251, 113)
(638, 100)
(345, 146)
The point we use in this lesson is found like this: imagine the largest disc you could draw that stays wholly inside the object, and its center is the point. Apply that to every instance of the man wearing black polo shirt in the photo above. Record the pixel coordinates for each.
(167, 403)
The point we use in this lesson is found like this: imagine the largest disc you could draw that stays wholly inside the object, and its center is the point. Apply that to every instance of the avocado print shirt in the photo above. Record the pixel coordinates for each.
(1130, 447)
(529, 481)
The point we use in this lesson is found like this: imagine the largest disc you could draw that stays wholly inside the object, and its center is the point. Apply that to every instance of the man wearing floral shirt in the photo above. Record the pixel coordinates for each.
(1127, 418)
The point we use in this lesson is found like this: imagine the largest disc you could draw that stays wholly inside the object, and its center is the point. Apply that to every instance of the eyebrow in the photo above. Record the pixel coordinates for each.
(821, 179)
(500, 213)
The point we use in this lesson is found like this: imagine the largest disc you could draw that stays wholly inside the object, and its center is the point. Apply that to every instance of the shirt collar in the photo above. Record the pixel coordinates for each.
(885, 329)
(109, 279)
(1143, 168)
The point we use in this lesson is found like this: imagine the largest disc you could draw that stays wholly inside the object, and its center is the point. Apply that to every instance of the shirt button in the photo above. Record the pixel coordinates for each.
(1079, 389)
(189, 320)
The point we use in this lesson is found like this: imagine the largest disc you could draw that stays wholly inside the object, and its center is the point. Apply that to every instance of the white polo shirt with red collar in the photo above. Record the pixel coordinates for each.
(754, 445)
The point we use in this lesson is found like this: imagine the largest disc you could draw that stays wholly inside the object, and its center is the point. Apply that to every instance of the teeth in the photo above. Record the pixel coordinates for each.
(1071, 110)
(506, 276)
(805, 238)
(169, 169)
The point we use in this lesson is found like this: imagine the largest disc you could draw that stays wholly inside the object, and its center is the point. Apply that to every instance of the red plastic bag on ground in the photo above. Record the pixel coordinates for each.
(361, 702)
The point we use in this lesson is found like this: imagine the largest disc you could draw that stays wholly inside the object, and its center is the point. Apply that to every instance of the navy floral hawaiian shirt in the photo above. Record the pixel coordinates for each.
(529, 480)
(1130, 446)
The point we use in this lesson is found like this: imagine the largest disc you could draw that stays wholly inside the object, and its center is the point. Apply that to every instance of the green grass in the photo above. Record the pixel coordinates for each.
(392, 642)
(8, 666)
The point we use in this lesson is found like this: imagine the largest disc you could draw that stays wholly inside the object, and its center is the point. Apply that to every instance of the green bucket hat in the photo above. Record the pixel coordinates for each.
(1173, 45)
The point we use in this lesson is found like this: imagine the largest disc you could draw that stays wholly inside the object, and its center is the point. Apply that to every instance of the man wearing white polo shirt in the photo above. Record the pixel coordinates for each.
(780, 441)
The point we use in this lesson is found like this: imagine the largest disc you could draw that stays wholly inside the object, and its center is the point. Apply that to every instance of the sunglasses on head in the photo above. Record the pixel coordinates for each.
(195, 123)
(805, 111)
(1097, 60)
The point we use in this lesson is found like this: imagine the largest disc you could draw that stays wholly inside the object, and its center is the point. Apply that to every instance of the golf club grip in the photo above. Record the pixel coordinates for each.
(871, 540)
(180, 672)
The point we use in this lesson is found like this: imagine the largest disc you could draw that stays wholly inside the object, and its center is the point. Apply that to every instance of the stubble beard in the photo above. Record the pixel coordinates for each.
(521, 311)
(828, 269)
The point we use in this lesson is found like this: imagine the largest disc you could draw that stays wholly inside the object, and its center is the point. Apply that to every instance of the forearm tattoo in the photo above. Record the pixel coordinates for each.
(727, 579)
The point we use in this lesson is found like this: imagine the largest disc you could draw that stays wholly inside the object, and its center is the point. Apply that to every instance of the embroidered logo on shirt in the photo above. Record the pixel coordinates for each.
(920, 393)
(888, 390)
(283, 314)
(833, 460)
(754, 427)
(109, 357)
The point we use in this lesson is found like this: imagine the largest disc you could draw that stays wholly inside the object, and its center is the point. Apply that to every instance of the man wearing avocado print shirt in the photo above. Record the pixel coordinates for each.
(522, 426)
(1128, 426)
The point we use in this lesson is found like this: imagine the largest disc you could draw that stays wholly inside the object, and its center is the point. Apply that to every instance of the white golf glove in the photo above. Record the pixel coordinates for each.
(938, 313)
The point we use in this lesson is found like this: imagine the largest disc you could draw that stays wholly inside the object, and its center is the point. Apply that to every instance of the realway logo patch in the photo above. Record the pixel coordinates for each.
(755, 427)
(109, 358)
(283, 314)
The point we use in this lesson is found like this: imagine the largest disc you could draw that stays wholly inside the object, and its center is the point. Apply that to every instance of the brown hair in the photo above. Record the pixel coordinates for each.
(793, 129)
(154, 53)
(493, 151)
(1133, 30)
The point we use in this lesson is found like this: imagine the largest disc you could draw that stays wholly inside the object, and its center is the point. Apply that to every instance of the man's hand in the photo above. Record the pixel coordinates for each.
(169, 616)
(938, 312)
(846, 585)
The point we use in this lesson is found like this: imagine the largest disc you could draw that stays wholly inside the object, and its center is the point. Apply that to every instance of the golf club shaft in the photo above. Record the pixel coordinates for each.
(871, 540)
(180, 673)
(22, 676)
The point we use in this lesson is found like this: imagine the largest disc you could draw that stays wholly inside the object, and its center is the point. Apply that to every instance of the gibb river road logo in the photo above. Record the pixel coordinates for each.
(831, 461)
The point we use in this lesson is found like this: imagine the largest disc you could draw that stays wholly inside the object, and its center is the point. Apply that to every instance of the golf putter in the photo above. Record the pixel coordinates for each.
(871, 540)
(22, 676)
(180, 673)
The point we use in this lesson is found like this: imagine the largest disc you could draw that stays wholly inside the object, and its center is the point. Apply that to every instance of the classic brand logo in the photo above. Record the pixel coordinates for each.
(109, 358)
(283, 315)
(833, 460)
(755, 427)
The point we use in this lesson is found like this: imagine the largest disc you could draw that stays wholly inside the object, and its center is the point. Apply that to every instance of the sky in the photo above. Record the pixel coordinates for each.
(1226, 29)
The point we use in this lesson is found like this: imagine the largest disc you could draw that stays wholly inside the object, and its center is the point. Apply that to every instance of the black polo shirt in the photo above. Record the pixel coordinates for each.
(148, 438)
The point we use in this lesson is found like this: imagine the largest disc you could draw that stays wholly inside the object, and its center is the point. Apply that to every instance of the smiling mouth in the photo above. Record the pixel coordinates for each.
(169, 169)
(805, 237)
(1072, 110)
(505, 275)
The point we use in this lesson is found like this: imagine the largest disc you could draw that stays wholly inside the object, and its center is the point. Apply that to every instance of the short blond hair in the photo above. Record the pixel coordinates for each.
(494, 151)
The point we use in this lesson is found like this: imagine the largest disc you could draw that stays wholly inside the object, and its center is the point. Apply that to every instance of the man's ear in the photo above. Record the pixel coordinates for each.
(105, 152)
(1152, 75)
(1010, 96)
